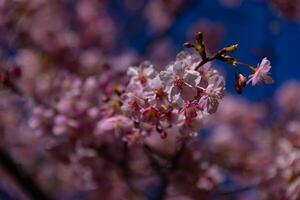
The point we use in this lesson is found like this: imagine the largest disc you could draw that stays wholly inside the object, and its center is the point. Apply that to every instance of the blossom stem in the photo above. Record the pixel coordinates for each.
(251, 68)
(206, 59)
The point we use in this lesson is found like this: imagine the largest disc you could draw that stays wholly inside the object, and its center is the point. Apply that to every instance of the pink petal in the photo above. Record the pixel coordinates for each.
(268, 79)
(179, 68)
(166, 76)
(192, 77)
(174, 94)
(188, 93)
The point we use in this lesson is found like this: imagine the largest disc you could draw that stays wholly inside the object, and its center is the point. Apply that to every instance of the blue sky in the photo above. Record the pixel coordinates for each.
(250, 25)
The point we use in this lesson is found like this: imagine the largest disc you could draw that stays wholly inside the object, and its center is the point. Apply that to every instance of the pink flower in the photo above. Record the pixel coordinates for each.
(261, 73)
(212, 94)
(142, 73)
(116, 124)
(182, 83)
(157, 95)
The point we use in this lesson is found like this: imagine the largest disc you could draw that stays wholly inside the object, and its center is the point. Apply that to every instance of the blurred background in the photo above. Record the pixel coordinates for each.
(89, 37)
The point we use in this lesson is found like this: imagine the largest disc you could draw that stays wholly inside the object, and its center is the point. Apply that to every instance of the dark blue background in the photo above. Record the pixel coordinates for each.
(250, 25)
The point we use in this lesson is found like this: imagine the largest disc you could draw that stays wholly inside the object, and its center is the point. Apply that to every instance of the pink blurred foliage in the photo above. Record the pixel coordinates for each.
(231, 3)
(289, 9)
(79, 124)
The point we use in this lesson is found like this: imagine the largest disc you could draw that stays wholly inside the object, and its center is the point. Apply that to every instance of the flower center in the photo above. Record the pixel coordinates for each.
(160, 94)
(143, 79)
(191, 112)
(150, 115)
(179, 83)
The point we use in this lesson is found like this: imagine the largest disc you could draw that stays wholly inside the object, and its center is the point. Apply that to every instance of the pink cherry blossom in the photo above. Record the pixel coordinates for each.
(261, 73)
(142, 72)
(181, 81)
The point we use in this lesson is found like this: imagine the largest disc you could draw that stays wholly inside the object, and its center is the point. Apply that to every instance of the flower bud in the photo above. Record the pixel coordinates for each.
(188, 45)
(240, 83)
(199, 38)
(229, 60)
(242, 80)
(231, 48)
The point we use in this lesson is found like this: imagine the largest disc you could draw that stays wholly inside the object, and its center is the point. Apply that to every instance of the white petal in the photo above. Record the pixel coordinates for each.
(132, 71)
(166, 76)
(174, 94)
(265, 65)
(155, 83)
(179, 68)
(268, 79)
(188, 93)
(192, 77)
(149, 71)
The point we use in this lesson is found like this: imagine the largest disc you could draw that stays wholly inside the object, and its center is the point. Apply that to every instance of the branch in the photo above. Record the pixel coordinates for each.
(163, 171)
(121, 164)
(21, 177)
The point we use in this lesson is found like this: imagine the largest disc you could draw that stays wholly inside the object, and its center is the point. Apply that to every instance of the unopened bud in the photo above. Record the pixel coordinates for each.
(229, 60)
(199, 38)
(240, 83)
(242, 80)
(188, 45)
(231, 48)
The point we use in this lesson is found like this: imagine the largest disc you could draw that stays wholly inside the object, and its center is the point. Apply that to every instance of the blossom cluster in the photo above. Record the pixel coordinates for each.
(75, 103)
(172, 101)
(112, 119)
(175, 99)
(102, 132)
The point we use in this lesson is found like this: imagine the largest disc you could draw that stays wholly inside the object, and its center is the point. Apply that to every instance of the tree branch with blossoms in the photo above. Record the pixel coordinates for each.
(82, 120)
(258, 74)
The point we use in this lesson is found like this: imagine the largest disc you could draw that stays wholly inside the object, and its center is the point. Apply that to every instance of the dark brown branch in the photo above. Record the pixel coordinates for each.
(121, 165)
(205, 60)
(163, 171)
(21, 177)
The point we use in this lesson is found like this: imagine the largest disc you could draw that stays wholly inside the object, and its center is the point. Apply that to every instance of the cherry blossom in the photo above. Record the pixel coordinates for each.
(261, 73)
(180, 81)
